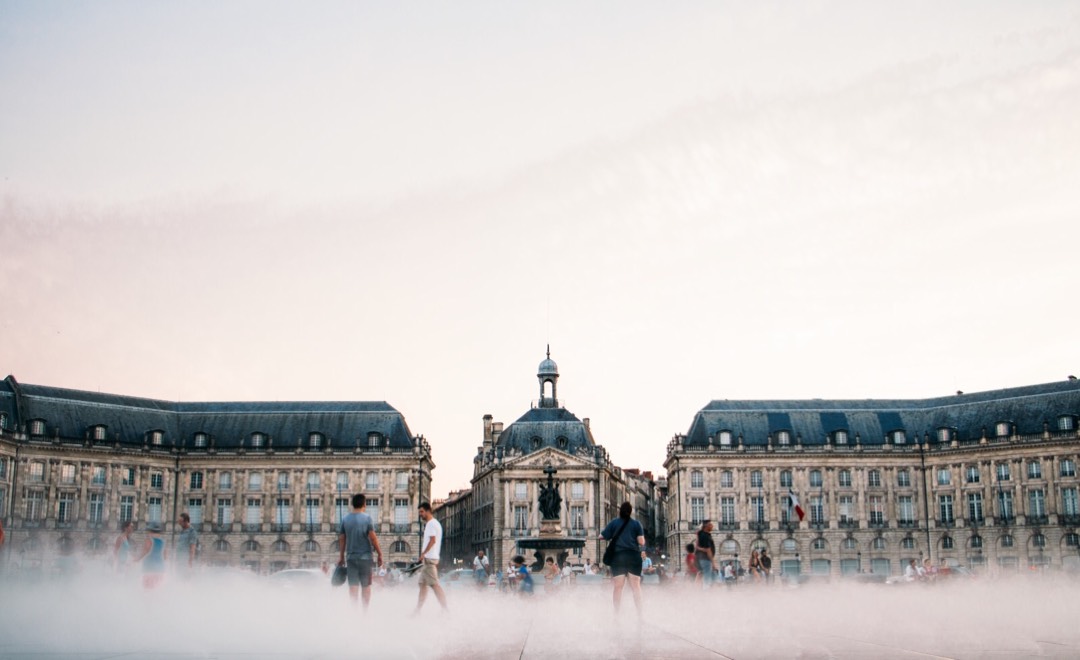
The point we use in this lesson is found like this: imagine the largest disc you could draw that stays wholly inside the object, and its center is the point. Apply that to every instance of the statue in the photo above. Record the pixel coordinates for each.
(550, 500)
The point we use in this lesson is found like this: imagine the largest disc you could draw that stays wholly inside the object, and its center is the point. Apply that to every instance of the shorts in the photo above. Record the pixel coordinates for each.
(626, 562)
(429, 574)
(359, 571)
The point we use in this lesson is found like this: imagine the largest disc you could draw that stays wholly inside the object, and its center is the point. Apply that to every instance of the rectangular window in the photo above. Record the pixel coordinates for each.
(253, 514)
(224, 511)
(401, 481)
(903, 478)
(755, 479)
(67, 473)
(97, 475)
(97, 508)
(195, 510)
(255, 481)
(905, 510)
(697, 479)
(727, 510)
(972, 474)
(1005, 504)
(371, 480)
(225, 481)
(873, 478)
(577, 519)
(1036, 503)
(521, 519)
(283, 481)
(341, 482)
(1068, 467)
(697, 510)
(817, 509)
(312, 513)
(1070, 506)
(1003, 473)
(127, 507)
(402, 512)
(373, 509)
(157, 480)
(37, 471)
(757, 508)
(341, 509)
(844, 478)
(945, 508)
(785, 479)
(65, 513)
(877, 510)
(153, 509)
(726, 480)
(35, 505)
(944, 477)
(1034, 470)
(815, 478)
(520, 491)
(3, 503)
(283, 511)
(3, 467)
(847, 509)
(975, 508)
(577, 490)
(196, 480)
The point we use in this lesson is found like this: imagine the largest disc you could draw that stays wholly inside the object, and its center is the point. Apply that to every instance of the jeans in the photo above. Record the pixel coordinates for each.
(706, 569)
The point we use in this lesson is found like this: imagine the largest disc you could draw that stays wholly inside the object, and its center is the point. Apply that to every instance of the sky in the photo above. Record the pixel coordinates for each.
(409, 202)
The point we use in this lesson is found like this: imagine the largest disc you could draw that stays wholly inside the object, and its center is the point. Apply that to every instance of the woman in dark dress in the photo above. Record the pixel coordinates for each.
(628, 538)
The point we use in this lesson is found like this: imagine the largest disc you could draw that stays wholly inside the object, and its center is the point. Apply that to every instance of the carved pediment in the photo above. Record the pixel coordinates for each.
(553, 457)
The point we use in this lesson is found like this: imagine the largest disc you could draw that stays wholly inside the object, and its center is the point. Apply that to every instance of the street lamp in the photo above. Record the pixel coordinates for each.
(926, 493)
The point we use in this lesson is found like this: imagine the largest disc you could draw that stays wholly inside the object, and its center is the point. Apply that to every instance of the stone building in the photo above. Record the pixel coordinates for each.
(984, 480)
(500, 509)
(265, 483)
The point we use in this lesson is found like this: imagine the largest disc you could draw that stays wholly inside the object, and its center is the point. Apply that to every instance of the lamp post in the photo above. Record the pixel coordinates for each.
(858, 558)
(926, 493)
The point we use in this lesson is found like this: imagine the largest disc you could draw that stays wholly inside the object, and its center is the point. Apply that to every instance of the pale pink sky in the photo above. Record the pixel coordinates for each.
(406, 203)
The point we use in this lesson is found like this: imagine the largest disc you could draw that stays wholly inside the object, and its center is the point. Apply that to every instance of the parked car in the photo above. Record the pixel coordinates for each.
(301, 578)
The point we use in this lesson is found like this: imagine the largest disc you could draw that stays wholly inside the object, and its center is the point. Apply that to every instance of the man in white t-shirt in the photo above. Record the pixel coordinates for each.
(429, 557)
(480, 567)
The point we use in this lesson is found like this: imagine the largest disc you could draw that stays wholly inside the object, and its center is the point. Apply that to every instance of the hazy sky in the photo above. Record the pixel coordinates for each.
(408, 201)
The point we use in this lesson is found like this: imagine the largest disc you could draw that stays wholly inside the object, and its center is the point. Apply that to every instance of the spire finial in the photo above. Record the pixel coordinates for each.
(549, 351)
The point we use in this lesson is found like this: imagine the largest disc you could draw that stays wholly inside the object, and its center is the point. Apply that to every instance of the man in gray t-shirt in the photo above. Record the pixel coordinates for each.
(187, 544)
(357, 540)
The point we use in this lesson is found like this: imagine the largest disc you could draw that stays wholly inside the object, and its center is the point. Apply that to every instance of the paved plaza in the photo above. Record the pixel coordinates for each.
(251, 618)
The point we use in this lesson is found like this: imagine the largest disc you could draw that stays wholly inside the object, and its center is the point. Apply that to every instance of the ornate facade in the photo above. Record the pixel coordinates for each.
(501, 507)
(265, 483)
(984, 480)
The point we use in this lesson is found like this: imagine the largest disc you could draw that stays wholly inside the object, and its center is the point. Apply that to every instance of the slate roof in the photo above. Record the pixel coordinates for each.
(73, 412)
(547, 424)
(1028, 408)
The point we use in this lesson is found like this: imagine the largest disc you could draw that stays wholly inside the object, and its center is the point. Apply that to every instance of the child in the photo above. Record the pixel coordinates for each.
(691, 563)
(153, 557)
(525, 581)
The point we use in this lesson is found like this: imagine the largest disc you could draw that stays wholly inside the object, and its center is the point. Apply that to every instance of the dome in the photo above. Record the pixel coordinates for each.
(548, 368)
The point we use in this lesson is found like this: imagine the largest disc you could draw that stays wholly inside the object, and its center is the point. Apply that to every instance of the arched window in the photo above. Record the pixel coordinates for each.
(281, 545)
(201, 440)
(907, 543)
(729, 547)
(1066, 423)
(947, 543)
(400, 546)
(899, 437)
(315, 441)
(878, 543)
(311, 546)
(258, 440)
(221, 545)
(820, 544)
(849, 544)
(789, 546)
(976, 542)
(1007, 541)
(251, 545)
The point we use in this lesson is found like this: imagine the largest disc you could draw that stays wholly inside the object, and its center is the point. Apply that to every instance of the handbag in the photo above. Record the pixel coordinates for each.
(609, 553)
(340, 574)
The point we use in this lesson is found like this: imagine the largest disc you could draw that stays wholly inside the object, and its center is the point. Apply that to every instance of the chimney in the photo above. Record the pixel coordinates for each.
(496, 431)
(585, 421)
(487, 431)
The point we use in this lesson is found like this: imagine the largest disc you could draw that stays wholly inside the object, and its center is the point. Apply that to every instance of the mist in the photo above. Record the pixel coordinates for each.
(226, 612)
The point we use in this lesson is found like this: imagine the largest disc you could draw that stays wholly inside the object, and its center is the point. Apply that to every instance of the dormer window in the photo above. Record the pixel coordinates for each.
(725, 438)
(783, 438)
(1066, 423)
(840, 437)
(157, 438)
(201, 440)
(37, 427)
(562, 442)
(373, 439)
(944, 434)
(98, 432)
(258, 440)
(899, 437)
(535, 442)
(1003, 429)
(315, 441)
(3, 421)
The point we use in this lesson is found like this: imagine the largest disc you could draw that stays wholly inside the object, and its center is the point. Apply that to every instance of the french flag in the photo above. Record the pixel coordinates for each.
(793, 504)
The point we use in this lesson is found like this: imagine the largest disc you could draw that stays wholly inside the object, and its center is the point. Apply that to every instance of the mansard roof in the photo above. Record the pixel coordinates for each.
(1027, 409)
(70, 413)
(547, 425)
